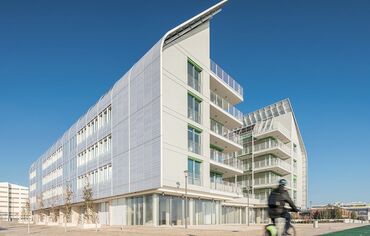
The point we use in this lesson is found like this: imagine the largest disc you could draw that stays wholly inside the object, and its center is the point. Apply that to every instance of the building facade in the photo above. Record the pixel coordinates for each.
(273, 149)
(13, 199)
(167, 131)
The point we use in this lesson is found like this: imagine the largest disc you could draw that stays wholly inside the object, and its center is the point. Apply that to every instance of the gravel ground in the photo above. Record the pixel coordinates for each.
(15, 229)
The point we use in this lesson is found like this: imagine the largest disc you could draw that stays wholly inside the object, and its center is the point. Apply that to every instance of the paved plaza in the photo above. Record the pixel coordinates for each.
(7, 228)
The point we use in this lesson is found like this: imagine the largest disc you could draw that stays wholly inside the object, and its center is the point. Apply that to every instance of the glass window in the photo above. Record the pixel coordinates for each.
(194, 176)
(194, 140)
(194, 109)
(194, 76)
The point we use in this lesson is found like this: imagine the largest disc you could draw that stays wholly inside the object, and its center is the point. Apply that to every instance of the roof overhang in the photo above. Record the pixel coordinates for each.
(192, 23)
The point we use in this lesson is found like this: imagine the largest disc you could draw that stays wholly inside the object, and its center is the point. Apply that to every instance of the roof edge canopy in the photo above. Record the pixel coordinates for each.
(192, 23)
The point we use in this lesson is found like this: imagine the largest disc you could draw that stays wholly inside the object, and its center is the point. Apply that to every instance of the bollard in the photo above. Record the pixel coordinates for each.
(316, 224)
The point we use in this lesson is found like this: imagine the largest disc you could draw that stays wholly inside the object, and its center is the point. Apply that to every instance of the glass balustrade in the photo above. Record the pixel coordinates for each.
(226, 78)
(226, 106)
(226, 159)
(226, 186)
(223, 131)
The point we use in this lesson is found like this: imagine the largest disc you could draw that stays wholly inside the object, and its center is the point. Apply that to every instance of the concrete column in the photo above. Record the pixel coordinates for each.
(168, 207)
(240, 215)
(155, 209)
(124, 212)
(191, 211)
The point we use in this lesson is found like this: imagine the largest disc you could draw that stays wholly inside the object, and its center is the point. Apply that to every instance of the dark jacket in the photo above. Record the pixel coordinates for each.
(281, 196)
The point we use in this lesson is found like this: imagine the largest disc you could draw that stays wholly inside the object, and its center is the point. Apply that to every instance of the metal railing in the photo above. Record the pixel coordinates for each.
(226, 106)
(273, 180)
(225, 186)
(226, 78)
(260, 129)
(272, 162)
(271, 143)
(226, 159)
(225, 132)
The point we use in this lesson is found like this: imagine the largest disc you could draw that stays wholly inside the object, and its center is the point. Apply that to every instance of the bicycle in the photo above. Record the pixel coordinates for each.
(277, 229)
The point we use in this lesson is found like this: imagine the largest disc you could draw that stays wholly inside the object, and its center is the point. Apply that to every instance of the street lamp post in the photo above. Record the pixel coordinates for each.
(246, 189)
(186, 198)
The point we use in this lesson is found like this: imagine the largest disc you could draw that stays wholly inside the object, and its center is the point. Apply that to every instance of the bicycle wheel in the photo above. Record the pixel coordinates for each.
(292, 231)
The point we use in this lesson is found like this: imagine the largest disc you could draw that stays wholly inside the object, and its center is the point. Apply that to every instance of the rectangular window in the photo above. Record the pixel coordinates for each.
(194, 108)
(194, 172)
(194, 142)
(194, 72)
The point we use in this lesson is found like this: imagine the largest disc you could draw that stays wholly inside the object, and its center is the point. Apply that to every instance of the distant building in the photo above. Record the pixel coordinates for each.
(12, 199)
(361, 209)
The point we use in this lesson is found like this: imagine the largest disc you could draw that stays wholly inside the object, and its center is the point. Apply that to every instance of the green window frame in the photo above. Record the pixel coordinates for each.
(194, 75)
(194, 139)
(194, 108)
(194, 171)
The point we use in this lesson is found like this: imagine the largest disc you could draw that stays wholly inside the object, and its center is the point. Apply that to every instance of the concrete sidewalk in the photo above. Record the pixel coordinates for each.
(7, 228)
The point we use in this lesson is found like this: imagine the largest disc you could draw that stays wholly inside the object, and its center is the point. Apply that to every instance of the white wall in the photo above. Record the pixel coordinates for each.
(195, 46)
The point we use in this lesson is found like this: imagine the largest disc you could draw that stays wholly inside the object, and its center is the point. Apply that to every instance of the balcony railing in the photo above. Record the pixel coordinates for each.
(227, 79)
(225, 186)
(274, 126)
(272, 143)
(272, 162)
(226, 106)
(225, 132)
(226, 159)
(266, 181)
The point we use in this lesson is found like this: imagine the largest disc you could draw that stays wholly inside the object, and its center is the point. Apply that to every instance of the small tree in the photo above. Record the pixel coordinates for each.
(40, 204)
(68, 194)
(27, 212)
(353, 215)
(68, 202)
(53, 209)
(87, 193)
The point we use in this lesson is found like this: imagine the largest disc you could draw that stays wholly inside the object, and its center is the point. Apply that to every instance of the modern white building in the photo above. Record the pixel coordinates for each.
(167, 129)
(273, 149)
(12, 200)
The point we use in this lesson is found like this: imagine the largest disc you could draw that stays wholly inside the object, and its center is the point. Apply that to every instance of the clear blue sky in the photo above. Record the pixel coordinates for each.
(58, 57)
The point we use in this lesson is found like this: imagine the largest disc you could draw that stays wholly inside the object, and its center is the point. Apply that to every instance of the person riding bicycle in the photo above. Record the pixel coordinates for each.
(276, 202)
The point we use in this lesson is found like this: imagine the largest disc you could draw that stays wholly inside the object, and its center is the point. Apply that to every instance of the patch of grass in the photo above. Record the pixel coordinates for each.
(360, 231)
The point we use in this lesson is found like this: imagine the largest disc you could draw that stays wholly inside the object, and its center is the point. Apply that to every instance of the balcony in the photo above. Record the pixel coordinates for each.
(272, 146)
(224, 138)
(267, 183)
(225, 84)
(276, 165)
(271, 128)
(225, 163)
(227, 187)
(222, 111)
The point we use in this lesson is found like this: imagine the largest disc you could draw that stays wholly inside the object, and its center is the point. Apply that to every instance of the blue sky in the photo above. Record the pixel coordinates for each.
(58, 57)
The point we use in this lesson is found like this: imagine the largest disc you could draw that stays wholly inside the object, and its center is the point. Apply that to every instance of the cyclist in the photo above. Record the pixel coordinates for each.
(276, 202)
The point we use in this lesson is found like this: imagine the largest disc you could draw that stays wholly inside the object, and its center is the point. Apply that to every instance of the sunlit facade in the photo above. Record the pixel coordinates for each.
(170, 119)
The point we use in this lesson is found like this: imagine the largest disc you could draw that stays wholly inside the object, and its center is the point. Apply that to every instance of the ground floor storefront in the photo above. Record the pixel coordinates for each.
(157, 210)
